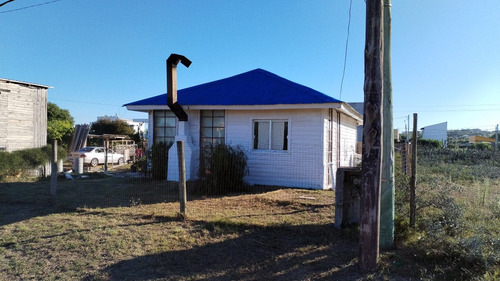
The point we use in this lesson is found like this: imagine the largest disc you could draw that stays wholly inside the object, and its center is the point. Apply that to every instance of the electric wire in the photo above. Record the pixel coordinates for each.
(27, 7)
(6, 2)
(346, 47)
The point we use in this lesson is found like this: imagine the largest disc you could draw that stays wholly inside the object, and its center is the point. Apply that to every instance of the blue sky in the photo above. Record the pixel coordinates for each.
(99, 55)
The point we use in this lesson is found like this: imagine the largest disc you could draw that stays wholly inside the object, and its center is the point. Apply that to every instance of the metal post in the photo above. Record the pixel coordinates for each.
(172, 103)
(387, 192)
(182, 176)
(372, 139)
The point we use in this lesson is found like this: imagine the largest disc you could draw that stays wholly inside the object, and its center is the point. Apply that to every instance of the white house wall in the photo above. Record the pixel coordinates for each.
(327, 164)
(348, 138)
(305, 164)
(299, 166)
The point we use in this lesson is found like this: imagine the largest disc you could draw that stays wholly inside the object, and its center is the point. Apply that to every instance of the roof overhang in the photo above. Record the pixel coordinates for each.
(27, 84)
(342, 107)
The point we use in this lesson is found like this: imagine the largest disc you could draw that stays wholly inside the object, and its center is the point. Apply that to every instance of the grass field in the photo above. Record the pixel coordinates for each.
(119, 228)
(112, 229)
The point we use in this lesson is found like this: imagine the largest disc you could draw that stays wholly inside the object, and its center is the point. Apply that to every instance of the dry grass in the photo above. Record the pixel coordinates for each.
(125, 229)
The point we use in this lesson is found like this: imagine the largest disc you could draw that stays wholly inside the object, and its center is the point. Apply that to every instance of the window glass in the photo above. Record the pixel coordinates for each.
(218, 121)
(164, 126)
(271, 135)
(206, 132)
(219, 113)
(212, 132)
(219, 133)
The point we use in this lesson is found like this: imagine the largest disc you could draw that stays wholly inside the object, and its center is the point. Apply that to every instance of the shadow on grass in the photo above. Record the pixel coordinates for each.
(24, 200)
(258, 253)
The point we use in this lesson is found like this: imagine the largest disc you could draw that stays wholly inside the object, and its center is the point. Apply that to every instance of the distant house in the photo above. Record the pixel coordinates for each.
(293, 135)
(23, 115)
(437, 132)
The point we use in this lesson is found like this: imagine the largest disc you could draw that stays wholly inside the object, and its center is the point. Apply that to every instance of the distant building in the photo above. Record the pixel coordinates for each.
(23, 115)
(437, 132)
(139, 125)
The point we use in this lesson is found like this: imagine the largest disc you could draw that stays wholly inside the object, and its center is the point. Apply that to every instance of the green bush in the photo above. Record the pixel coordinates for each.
(159, 160)
(227, 167)
(430, 143)
(16, 163)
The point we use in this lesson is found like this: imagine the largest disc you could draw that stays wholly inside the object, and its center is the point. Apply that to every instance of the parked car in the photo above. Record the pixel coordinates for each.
(94, 156)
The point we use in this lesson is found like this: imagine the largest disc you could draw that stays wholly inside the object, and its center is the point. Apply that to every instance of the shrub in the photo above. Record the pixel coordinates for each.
(227, 168)
(159, 160)
(430, 143)
(20, 161)
(457, 225)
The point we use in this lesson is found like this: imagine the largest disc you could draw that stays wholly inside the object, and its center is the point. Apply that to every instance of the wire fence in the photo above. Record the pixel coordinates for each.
(223, 179)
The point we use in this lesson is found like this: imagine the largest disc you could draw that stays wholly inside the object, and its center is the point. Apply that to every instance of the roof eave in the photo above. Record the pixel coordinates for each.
(25, 83)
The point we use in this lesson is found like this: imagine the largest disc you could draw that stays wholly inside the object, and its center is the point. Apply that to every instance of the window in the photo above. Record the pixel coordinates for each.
(164, 126)
(212, 132)
(270, 134)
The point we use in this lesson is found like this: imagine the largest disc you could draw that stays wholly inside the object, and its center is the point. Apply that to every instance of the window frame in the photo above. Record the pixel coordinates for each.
(166, 114)
(215, 136)
(286, 134)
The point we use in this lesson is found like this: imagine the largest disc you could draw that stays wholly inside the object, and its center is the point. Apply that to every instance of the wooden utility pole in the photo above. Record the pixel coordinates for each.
(372, 138)
(387, 190)
(413, 179)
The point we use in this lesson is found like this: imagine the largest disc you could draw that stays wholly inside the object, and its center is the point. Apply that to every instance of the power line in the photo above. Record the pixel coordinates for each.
(5, 2)
(87, 102)
(27, 7)
(345, 52)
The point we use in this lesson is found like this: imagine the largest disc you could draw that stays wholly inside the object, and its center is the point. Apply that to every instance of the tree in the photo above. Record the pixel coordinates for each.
(107, 126)
(59, 124)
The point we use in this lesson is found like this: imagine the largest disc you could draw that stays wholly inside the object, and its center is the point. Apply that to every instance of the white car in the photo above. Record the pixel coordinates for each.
(94, 156)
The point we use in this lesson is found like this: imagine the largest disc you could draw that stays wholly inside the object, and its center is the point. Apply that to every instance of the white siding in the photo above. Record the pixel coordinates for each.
(348, 134)
(299, 166)
(305, 164)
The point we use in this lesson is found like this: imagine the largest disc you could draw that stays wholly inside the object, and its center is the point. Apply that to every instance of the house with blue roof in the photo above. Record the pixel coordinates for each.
(294, 136)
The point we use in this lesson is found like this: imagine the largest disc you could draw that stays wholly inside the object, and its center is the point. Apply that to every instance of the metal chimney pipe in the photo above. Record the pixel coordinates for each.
(172, 103)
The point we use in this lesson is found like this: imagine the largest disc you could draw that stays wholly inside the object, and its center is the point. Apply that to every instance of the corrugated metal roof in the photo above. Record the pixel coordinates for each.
(256, 87)
(25, 83)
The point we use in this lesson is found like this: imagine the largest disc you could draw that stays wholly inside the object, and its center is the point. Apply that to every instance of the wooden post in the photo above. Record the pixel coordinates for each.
(106, 144)
(182, 176)
(387, 189)
(496, 138)
(413, 179)
(53, 172)
(372, 139)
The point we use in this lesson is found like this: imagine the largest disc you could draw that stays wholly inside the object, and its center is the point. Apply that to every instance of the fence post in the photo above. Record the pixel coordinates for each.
(53, 172)
(182, 176)
(413, 180)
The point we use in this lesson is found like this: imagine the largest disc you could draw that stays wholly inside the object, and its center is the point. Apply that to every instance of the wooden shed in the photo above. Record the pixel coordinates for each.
(23, 115)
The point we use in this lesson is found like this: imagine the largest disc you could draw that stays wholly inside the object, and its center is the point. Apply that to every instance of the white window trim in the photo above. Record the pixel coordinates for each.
(271, 120)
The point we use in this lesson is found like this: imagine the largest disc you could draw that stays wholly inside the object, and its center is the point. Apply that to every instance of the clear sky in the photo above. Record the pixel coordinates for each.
(99, 55)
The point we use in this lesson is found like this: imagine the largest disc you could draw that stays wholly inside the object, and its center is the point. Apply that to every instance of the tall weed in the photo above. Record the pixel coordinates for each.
(457, 217)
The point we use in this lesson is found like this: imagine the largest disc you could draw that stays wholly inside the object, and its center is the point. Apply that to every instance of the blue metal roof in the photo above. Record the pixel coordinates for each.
(256, 87)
